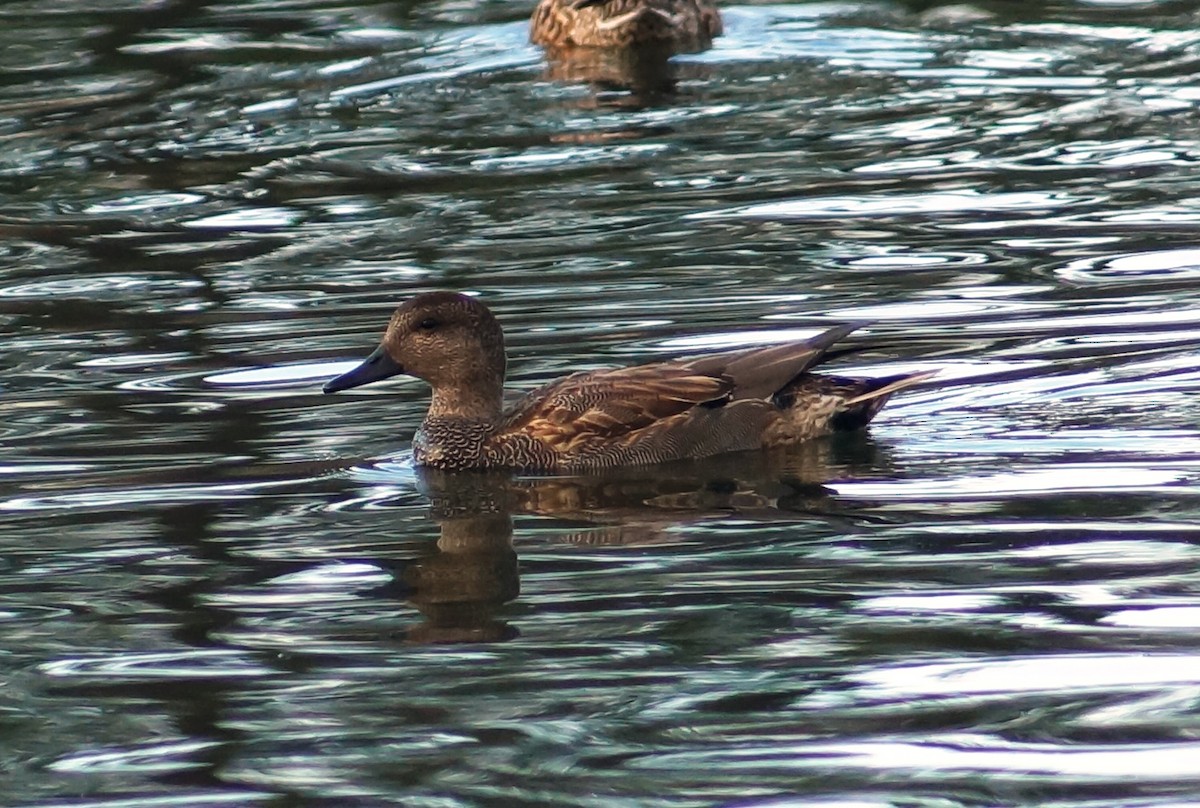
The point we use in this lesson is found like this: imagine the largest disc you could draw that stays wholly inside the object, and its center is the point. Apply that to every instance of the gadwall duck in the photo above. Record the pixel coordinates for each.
(733, 401)
(677, 25)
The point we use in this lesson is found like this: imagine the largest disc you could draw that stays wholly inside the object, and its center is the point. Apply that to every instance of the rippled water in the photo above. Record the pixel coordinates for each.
(219, 587)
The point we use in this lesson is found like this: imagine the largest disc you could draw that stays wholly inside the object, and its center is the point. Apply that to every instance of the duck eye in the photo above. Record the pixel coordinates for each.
(428, 324)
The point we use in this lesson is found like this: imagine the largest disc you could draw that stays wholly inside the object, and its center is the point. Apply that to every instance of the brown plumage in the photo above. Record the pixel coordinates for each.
(678, 25)
(725, 402)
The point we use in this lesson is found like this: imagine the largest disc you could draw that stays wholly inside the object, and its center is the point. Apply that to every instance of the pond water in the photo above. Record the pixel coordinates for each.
(219, 587)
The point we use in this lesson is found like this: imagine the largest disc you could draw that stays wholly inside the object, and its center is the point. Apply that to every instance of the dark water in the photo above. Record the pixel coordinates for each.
(211, 594)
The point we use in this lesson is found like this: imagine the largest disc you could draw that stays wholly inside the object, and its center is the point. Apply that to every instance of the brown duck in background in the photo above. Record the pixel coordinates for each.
(733, 401)
(677, 25)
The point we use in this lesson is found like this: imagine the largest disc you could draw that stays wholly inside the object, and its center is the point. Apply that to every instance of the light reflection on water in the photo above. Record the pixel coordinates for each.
(897, 205)
(959, 755)
(221, 587)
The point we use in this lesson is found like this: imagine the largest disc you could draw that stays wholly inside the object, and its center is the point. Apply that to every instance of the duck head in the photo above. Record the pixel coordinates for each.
(450, 341)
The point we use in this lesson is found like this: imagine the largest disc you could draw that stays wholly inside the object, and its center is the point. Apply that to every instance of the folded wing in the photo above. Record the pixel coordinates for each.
(609, 404)
(762, 372)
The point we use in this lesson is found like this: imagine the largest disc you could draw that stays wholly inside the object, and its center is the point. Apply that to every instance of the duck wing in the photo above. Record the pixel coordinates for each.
(762, 372)
(649, 405)
(611, 404)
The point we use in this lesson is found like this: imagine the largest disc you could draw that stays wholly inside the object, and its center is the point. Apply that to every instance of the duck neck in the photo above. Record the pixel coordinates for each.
(477, 402)
(457, 427)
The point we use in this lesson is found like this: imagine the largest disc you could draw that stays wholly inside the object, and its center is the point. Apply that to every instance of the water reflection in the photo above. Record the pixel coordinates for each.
(461, 583)
(207, 599)
(631, 78)
(754, 485)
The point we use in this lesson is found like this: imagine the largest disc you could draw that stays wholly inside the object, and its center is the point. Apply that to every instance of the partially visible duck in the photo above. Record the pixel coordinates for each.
(677, 25)
(738, 400)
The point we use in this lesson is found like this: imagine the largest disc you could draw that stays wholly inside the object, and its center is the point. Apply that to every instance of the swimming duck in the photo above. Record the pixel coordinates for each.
(678, 25)
(739, 400)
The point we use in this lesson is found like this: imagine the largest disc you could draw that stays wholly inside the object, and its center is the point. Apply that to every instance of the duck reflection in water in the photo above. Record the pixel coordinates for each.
(625, 78)
(461, 585)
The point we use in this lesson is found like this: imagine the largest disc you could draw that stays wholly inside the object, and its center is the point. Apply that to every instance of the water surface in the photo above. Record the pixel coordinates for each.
(219, 587)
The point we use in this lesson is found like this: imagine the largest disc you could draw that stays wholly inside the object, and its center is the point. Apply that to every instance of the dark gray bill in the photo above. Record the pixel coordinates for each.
(374, 368)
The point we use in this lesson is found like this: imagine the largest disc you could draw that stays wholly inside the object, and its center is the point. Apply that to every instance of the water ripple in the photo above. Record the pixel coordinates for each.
(944, 203)
(187, 664)
(212, 594)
